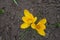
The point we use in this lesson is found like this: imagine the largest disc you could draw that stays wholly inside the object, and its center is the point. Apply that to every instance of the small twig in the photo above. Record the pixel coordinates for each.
(15, 2)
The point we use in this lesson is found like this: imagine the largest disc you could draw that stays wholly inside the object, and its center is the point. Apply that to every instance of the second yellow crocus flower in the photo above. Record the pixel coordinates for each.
(40, 27)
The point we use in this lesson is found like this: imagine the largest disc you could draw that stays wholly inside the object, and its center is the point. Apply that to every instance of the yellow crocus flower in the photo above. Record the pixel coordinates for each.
(28, 18)
(40, 27)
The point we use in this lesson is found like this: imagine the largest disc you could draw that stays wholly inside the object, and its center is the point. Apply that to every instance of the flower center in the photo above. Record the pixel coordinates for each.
(38, 27)
(29, 20)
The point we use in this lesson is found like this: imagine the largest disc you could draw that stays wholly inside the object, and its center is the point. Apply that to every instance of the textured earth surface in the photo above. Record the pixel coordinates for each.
(11, 19)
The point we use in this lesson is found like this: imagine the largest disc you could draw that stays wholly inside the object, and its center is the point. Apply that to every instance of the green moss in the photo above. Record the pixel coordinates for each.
(57, 25)
(1, 11)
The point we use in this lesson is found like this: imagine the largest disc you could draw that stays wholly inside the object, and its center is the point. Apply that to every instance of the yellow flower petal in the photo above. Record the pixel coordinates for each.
(41, 32)
(27, 20)
(28, 14)
(33, 26)
(24, 26)
(43, 21)
(24, 19)
(35, 19)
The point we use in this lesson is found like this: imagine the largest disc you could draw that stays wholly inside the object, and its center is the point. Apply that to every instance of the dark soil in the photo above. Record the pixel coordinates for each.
(11, 19)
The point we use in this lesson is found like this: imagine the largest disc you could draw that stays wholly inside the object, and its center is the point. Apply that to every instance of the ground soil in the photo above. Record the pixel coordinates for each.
(11, 20)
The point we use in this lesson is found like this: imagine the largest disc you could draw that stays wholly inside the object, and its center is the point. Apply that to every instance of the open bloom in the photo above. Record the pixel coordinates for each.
(28, 18)
(40, 27)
